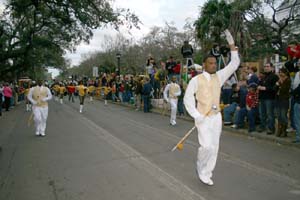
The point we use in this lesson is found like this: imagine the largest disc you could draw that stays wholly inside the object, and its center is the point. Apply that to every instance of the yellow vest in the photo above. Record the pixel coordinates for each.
(61, 89)
(26, 91)
(38, 94)
(174, 88)
(208, 95)
(81, 90)
(106, 90)
(91, 88)
(56, 88)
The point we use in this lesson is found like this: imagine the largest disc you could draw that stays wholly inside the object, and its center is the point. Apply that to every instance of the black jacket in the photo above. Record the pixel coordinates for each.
(269, 81)
(296, 94)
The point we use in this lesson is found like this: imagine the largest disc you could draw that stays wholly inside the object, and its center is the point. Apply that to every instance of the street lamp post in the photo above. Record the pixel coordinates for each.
(118, 55)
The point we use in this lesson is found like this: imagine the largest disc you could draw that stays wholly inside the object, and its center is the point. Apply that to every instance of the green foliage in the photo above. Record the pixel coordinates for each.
(214, 19)
(256, 34)
(35, 33)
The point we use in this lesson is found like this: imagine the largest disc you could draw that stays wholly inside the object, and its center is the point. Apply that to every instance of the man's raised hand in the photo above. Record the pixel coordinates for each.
(229, 37)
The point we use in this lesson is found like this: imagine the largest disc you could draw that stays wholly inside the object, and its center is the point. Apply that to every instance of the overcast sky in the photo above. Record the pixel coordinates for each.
(151, 13)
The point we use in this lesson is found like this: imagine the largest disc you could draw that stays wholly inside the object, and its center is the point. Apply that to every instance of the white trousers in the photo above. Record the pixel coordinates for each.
(40, 118)
(173, 103)
(209, 132)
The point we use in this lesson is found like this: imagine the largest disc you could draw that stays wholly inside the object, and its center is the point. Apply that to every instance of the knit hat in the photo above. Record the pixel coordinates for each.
(252, 85)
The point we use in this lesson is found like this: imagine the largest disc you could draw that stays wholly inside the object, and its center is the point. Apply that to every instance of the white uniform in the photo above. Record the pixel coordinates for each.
(173, 89)
(38, 96)
(208, 123)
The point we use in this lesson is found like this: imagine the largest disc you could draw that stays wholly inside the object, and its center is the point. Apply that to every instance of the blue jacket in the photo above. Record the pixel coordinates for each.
(147, 89)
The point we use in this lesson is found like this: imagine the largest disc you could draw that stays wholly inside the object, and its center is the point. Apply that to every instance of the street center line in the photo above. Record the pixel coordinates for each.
(143, 163)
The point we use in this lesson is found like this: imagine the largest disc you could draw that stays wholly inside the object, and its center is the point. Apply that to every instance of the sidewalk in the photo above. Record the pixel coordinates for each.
(262, 136)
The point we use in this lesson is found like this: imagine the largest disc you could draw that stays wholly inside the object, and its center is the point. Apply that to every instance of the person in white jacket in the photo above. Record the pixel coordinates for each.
(171, 93)
(206, 89)
(38, 96)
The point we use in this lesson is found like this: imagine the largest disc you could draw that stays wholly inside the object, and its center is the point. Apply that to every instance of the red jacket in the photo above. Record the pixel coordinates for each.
(7, 92)
(71, 89)
(252, 99)
(176, 69)
(295, 52)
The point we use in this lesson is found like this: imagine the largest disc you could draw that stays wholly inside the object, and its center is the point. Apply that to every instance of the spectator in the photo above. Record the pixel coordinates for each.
(1, 98)
(180, 99)
(267, 95)
(149, 66)
(296, 108)
(170, 65)
(252, 106)
(121, 91)
(283, 86)
(176, 70)
(252, 77)
(227, 89)
(8, 93)
(138, 93)
(114, 92)
(241, 110)
(295, 84)
(147, 88)
(187, 50)
(230, 107)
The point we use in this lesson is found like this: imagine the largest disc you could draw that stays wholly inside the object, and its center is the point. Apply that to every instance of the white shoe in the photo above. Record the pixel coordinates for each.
(233, 126)
(37, 133)
(43, 134)
(206, 180)
(173, 123)
(80, 111)
(289, 130)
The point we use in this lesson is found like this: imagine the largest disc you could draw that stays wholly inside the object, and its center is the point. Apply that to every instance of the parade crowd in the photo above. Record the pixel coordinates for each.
(249, 99)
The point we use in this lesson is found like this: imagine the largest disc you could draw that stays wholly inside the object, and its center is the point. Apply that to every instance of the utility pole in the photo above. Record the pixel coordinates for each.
(118, 55)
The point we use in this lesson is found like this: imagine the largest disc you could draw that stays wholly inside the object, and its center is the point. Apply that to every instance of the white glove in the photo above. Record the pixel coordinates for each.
(199, 120)
(229, 37)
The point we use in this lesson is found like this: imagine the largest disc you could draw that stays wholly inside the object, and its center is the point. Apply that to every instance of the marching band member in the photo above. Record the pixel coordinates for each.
(208, 120)
(173, 89)
(82, 91)
(38, 96)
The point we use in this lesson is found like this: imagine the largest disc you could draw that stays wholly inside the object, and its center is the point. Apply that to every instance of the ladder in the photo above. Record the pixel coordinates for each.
(187, 68)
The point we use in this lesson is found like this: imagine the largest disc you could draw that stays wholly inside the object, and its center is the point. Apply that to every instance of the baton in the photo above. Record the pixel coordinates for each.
(178, 145)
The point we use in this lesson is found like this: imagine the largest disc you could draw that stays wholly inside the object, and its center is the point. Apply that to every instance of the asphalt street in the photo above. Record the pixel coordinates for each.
(114, 152)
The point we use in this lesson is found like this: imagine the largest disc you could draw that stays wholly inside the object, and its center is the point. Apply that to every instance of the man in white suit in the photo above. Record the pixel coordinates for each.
(171, 93)
(38, 96)
(208, 120)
